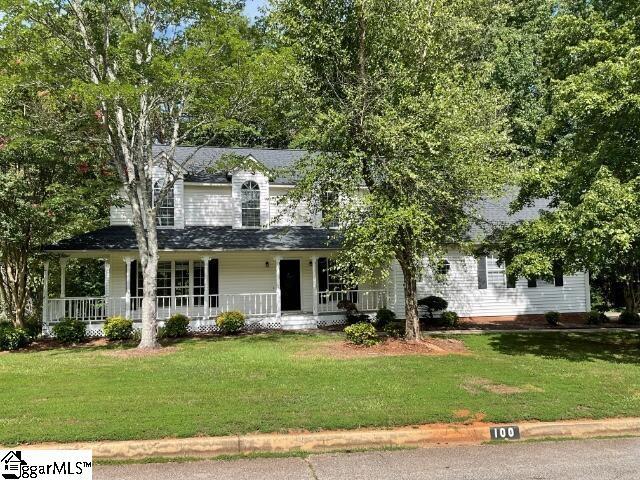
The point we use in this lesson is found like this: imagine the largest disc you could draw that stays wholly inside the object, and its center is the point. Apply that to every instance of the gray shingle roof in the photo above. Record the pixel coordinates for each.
(205, 238)
(495, 213)
(199, 160)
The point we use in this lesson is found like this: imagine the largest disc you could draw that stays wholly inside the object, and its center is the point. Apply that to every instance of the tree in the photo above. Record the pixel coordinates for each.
(147, 71)
(586, 151)
(51, 186)
(397, 104)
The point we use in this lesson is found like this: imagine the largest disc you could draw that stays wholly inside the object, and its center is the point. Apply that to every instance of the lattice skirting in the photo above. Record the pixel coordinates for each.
(195, 327)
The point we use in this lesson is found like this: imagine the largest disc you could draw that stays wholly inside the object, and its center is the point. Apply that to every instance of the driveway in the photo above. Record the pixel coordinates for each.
(617, 459)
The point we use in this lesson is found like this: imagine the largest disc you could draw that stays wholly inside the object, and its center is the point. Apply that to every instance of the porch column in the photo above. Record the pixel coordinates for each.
(127, 296)
(63, 276)
(107, 286)
(278, 291)
(206, 287)
(314, 272)
(45, 293)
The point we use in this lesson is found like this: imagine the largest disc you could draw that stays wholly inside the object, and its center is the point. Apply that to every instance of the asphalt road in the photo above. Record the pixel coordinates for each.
(617, 459)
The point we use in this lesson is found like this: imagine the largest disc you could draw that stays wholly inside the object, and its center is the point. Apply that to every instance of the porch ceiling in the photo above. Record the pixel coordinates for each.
(205, 238)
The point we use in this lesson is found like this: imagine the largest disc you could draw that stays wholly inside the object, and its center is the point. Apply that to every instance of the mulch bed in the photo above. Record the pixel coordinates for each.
(389, 348)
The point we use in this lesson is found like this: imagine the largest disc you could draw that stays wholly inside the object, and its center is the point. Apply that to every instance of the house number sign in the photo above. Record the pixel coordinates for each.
(505, 433)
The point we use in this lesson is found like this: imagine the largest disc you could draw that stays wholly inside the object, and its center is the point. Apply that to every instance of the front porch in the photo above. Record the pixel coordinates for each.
(288, 291)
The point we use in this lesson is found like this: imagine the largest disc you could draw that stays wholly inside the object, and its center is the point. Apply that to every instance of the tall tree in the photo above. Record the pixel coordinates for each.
(146, 71)
(51, 185)
(406, 128)
(586, 150)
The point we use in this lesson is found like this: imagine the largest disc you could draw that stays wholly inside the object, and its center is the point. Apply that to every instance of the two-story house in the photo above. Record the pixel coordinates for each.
(225, 246)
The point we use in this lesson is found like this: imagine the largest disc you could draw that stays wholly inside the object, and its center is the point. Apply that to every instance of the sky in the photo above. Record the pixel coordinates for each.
(251, 8)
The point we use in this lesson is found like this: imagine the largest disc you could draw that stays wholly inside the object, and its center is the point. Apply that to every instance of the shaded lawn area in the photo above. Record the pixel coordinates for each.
(263, 383)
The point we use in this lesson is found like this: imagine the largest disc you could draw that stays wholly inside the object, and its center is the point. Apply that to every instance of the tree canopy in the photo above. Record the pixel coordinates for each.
(408, 130)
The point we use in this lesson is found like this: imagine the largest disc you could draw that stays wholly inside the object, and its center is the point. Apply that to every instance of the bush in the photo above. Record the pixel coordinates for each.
(230, 323)
(12, 338)
(33, 326)
(594, 317)
(352, 314)
(433, 304)
(118, 328)
(384, 317)
(176, 326)
(449, 319)
(552, 318)
(70, 330)
(394, 330)
(628, 317)
(362, 334)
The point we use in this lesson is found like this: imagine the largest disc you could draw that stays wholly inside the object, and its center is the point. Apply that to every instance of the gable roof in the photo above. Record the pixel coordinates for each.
(199, 159)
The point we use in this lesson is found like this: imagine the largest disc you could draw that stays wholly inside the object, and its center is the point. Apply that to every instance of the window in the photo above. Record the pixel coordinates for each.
(496, 276)
(250, 197)
(444, 267)
(166, 208)
(490, 274)
(163, 289)
(330, 280)
(182, 283)
(328, 208)
(198, 284)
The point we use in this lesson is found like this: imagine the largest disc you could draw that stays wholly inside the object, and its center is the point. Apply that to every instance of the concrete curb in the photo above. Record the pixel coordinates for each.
(417, 436)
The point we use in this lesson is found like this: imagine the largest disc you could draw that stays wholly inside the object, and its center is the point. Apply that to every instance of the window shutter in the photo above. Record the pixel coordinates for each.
(214, 287)
(511, 281)
(532, 282)
(133, 284)
(323, 284)
(482, 273)
(558, 274)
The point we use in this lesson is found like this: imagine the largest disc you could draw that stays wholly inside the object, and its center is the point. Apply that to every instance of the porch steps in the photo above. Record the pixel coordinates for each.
(298, 322)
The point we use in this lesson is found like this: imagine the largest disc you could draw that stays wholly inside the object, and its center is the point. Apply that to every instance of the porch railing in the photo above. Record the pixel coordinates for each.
(96, 309)
(365, 300)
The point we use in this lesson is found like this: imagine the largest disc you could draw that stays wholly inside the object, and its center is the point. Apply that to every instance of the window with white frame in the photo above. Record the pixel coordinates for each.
(165, 214)
(328, 208)
(163, 289)
(250, 202)
(182, 283)
(496, 274)
(198, 284)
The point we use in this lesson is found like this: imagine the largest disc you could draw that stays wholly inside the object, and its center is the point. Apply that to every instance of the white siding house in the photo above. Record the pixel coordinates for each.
(227, 244)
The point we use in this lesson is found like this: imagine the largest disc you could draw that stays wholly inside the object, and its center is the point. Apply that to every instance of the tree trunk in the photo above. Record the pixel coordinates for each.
(14, 287)
(412, 322)
(149, 301)
(632, 296)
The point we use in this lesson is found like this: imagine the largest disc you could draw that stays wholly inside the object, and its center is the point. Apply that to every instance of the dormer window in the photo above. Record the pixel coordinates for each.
(250, 197)
(165, 214)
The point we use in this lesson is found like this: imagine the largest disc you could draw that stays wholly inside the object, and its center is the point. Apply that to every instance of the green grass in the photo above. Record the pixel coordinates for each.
(262, 383)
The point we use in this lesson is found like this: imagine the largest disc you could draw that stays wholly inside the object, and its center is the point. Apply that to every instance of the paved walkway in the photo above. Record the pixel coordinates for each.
(617, 459)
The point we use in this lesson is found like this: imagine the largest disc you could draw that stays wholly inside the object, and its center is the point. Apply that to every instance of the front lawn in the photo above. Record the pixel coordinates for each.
(270, 382)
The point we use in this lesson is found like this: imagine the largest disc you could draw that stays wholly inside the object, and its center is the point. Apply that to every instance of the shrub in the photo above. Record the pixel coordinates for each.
(70, 330)
(12, 338)
(433, 304)
(352, 314)
(552, 318)
(628, 317)
(230, 323)
(449, 319)
(362, 334)
(118, 328)
(384, 317)
(176, 326)
(594, 317)
(33, 326)
(394, 330)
